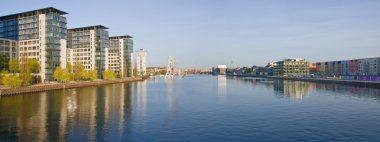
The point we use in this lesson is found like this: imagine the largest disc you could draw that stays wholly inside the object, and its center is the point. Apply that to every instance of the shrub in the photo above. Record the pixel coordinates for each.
(85, 75)
(12, 81)
(93, 75)
(58, 74)
(62, 75)
(107, 74)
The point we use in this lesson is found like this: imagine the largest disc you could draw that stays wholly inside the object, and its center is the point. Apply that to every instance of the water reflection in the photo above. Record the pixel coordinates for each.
(141, 97)
(292, 89)
(222, 87)
(349, 90)
(298, 89)
(119, 112)
(65, 115)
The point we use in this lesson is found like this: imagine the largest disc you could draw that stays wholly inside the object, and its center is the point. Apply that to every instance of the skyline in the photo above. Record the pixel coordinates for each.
(201, 34)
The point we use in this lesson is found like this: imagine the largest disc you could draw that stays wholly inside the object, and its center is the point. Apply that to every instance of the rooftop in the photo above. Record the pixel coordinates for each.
(346, 60)
(121, 37)
(34, 12)
(88, 28)
(294, 59)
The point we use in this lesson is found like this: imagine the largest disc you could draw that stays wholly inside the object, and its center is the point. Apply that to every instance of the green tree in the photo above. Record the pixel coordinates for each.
(117, 75)
(34, 66)
(25, 74)
(2, 75)
(78, 68)
(135, 72)
(69, 67)
(14, 65)
(85, 75)
(58, 74)
(107, 74)
(67, 76)
(12, 81)
(62, 75)
(93, 75)
(162, 72)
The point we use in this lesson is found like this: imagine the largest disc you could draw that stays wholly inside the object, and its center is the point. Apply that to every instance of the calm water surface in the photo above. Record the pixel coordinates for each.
(196, 108)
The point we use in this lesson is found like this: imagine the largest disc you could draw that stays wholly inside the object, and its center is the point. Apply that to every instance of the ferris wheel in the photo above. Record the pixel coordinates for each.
(171, 68)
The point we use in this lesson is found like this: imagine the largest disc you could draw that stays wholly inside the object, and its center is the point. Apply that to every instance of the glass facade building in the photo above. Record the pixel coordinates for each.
(9, 27)
(290, 67)
(41, 35)
(119, 56)
(87, 45)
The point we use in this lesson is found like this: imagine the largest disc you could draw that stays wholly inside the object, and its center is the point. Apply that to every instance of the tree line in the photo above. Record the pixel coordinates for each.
(26, 71)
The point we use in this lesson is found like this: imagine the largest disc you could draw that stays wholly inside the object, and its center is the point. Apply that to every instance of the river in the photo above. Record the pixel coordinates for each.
(195, 108)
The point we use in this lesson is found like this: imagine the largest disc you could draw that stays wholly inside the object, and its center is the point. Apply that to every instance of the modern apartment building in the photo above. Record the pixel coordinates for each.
(363, 67)
(87, 46)
(293, 66)
(41, 35)
(119, 55)
(141, 62)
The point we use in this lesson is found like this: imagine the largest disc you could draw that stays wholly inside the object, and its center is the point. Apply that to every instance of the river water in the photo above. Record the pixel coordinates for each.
(195, 108)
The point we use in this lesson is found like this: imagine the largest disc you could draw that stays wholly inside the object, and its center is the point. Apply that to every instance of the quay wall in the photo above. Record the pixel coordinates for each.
(57, 86)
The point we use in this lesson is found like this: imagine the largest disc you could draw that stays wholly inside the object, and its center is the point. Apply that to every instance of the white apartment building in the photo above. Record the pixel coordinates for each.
(87, 46)
(141, 62)
(119, 55)
(41, 35)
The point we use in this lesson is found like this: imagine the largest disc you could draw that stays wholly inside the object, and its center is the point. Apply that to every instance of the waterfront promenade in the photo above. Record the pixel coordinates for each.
(57, 86)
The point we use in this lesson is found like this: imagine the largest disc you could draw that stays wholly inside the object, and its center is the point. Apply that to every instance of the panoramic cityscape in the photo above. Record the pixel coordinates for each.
(190, 71)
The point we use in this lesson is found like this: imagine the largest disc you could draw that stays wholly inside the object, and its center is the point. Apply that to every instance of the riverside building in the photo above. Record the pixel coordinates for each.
(41, 35)
(87, 46)
(354, 67)
(141, 62)
(119, 55)
(293, 66)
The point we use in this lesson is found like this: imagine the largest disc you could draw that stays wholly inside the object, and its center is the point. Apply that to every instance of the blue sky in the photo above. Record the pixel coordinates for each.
(205, 33)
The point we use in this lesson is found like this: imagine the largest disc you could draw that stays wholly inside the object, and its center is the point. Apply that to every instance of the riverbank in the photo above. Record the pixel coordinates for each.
(371, 84)
(57, 86)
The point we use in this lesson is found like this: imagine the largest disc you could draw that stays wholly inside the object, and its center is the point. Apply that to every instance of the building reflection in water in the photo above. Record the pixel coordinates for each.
(99, 112)
(222, 87)
(141, 97)
(169, 94)
(62, 115)
(298, 89)
(356, 91)
(292, 89)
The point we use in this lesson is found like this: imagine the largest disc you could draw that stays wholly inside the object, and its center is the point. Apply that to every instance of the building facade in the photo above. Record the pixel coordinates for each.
(294, 66)
(354, 67)
(41, 35)
(219, 70)
(119, 55)
(8, 50)
(141, 62)
(87, 46)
